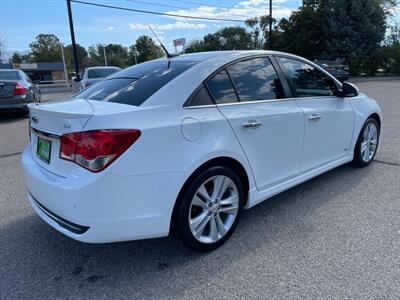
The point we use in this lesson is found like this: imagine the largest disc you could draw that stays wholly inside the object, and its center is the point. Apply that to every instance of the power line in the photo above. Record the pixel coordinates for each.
(155, 12)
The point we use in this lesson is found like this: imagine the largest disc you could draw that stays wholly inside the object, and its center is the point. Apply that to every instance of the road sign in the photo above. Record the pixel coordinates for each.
(179, 42)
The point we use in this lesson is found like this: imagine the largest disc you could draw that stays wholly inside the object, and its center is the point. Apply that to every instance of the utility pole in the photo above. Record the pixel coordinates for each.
(71, 29)
(270, 25)
(65, 69)
(105, 56)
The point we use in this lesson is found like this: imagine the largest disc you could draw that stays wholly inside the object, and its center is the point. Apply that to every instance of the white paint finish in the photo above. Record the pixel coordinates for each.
(328, 123)
(274, 147)
(191, 129)
(134, 197)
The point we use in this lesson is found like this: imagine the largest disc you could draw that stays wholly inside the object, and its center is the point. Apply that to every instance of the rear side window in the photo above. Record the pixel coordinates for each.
(307, 80)
(100, 73)
(200, 98)
(9, 75)
(221, 89)
(255, 79)
(136, 84)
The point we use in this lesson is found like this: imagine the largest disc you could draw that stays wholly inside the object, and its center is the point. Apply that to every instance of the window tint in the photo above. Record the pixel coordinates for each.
(100, 73)
(221, 89)
(200, 98)
(306, 80)
(9, 75)
(136, 84)
(256, 79)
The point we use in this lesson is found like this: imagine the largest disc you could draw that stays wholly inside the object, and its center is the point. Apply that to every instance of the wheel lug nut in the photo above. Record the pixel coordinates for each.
(209, 204)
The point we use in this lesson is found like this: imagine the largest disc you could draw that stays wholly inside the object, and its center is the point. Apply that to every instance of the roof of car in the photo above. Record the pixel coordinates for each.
(203, 56)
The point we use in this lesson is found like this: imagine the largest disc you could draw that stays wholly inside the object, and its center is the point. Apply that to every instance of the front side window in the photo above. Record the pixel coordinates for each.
(136, 84)
(307, 80)
(221, 89)
(255, 79)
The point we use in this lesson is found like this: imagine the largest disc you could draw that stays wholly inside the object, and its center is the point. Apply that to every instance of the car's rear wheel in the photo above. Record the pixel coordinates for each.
(210, 208)
(367, 143)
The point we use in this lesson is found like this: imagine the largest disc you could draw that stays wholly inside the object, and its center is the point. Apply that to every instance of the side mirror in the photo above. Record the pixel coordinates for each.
(348, 90)
(77, 79)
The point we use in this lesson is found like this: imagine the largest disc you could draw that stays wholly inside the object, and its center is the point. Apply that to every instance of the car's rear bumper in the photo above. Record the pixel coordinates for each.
(15, 103)
(98, 208)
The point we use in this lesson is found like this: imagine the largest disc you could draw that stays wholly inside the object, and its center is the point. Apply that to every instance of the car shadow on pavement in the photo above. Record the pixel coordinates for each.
(12, 116)
(47, 260)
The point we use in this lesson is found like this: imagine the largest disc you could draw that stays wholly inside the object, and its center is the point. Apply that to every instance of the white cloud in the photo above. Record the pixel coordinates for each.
(109, 29)
(168, 26)
(242, 11)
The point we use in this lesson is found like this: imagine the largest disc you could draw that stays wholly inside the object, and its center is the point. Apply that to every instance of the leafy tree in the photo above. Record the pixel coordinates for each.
(354, 27)
(46, 48)
(82, 54)
(16, 58)
(145, 49)
(227, 38)
(260, 30)
(116, 55)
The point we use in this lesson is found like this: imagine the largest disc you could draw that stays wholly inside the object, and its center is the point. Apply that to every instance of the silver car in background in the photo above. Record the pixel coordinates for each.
(96, 74)
(17, 90)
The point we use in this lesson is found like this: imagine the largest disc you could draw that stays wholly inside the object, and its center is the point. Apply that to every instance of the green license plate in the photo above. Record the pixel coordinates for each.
(44, 149)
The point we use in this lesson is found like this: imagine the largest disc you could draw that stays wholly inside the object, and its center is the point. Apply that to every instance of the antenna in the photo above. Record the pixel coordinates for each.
(162, 46)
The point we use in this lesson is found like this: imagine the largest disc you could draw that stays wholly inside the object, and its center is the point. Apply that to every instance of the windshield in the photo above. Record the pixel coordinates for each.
(101, 72)
(136, 84)
(9, 75)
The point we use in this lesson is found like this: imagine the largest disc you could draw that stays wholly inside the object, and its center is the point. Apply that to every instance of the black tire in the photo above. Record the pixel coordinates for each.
(184, 205)
(357, 159)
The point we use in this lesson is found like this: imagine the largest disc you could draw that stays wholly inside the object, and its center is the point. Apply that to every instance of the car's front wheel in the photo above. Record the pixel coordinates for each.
(210, 208)
(367, 143)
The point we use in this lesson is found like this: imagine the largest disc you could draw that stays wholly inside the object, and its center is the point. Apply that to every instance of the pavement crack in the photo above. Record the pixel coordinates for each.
(10, 154)
(387, 163)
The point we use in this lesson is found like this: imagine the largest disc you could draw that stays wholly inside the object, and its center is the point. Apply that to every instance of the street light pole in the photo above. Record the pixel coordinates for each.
(105, 57)
(65, 69)
(71, 29)
(270, 25)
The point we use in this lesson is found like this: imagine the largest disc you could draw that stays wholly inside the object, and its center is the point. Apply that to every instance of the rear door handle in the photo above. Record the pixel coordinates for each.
(252, 124)
(314, 117)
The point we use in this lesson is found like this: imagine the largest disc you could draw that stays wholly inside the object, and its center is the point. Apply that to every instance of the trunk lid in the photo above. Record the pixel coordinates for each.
(50, 121)
(7, 89)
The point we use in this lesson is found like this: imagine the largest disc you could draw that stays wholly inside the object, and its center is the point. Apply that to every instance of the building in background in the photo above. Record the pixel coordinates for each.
(40, 72)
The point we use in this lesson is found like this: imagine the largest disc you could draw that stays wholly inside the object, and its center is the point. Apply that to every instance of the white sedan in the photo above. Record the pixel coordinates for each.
(186, 143)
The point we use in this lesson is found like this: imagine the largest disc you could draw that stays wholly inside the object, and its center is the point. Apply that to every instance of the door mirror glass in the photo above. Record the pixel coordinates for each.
(348, 90)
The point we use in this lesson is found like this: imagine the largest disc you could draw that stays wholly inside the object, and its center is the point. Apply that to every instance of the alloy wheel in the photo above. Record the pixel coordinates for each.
(213, 209)
(369, 142)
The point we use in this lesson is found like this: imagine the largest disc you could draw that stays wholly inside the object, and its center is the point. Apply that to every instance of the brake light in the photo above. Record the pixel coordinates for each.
(19, 89)
(96, 149)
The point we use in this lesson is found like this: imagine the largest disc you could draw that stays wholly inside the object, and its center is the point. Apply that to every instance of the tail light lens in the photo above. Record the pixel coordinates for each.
(19, 89)
(96, 149)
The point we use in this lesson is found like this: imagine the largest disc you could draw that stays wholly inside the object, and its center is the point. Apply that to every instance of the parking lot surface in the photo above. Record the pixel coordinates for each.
(336, 236)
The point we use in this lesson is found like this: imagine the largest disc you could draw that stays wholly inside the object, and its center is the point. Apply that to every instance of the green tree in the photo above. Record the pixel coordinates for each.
(46, 48)
(16, 58)
(116, 55)
(82, 54)
(145, 49)
(260, 31)
(227, 38)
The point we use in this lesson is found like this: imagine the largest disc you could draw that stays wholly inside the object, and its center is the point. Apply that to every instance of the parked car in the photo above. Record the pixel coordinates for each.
(17, 90)
(188, 142)
(338, 70)
(95, 74)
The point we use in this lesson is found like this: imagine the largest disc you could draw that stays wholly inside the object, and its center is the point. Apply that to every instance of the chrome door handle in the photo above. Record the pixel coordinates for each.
(252, 124)
(314, 117)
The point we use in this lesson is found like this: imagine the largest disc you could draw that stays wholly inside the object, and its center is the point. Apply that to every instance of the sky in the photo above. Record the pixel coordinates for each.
(22, 20)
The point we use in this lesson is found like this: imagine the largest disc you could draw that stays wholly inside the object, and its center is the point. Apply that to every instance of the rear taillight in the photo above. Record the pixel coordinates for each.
(96, 149)
(19, 89)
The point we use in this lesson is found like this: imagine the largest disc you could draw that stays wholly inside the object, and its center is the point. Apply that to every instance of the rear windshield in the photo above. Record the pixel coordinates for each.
(9, 75)
(136, 84)
(100, 73)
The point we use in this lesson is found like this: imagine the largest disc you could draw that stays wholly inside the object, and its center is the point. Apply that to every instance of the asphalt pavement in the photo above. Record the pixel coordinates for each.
(336, 236)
